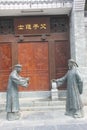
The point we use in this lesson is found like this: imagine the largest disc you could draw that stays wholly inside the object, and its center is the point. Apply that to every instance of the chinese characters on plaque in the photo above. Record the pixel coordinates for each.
(32, 25)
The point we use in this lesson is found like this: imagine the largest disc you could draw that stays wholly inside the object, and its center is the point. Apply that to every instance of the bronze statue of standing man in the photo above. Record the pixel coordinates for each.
(12, 104)
(74, 106)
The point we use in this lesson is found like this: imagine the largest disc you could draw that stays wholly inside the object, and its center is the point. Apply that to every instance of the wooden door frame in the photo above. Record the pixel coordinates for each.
(50, 38)
(10, 39)
(51, 52)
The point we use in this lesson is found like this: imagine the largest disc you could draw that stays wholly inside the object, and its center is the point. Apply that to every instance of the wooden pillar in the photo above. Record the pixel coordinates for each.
(51, 60)
(14, 46)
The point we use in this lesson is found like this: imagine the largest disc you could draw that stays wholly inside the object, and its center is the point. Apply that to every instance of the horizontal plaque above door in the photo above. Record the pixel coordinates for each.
(32, 25)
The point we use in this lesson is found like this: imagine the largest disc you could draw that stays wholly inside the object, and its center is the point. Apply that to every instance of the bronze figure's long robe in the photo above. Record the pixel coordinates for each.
(12, 91)
(74, 81)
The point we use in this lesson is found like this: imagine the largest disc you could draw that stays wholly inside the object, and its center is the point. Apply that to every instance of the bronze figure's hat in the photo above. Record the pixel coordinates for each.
(18, 65)
(71, 60)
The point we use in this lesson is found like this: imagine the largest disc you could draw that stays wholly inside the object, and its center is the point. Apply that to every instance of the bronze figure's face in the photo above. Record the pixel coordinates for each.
(70, 64)
(19, 69)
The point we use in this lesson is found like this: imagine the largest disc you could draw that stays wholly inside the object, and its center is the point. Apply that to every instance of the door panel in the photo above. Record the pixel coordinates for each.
(34, 58)
(62, 54)
(5, 65)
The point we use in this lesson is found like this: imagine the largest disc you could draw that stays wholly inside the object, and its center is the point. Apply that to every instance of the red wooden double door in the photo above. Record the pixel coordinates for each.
(37, 60)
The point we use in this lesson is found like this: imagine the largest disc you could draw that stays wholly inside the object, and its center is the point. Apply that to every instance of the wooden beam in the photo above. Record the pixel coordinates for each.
(14, 53)
(51, 60)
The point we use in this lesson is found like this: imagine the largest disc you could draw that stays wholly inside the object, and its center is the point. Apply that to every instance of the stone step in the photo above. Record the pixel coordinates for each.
(27, 104)
(42, 105)
(44, 108)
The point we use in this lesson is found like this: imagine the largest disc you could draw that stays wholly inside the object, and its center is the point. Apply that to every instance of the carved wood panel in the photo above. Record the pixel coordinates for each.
(5, 65)
(34, 58)
(62, 54)
(6, 26)
(59, 24)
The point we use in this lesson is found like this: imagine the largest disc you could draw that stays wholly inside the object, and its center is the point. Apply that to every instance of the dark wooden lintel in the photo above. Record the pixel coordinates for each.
(33, 38)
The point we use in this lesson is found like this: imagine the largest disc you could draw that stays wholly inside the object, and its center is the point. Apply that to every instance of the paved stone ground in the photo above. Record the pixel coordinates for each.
(44, 120)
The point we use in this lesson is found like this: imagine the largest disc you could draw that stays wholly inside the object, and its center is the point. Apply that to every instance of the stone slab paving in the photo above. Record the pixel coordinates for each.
(44, 120)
